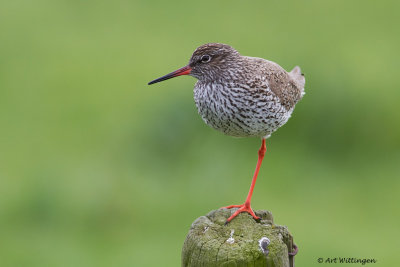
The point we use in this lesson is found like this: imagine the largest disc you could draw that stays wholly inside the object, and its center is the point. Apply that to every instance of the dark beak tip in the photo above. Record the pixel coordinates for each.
(153, 82)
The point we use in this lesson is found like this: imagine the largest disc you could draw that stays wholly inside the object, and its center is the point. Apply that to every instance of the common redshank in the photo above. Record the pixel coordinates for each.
(241, 96)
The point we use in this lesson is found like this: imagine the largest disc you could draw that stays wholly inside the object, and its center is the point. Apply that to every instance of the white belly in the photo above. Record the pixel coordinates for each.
(240, 112)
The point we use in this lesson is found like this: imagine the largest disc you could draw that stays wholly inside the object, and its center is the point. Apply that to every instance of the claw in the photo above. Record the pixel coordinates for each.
(242, 208)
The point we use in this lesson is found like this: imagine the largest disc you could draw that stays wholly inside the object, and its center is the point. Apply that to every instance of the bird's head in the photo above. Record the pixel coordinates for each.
(211, 60)
(207, 63)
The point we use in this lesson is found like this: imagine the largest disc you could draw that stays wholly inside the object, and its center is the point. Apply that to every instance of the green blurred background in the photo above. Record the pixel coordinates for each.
(99, 169)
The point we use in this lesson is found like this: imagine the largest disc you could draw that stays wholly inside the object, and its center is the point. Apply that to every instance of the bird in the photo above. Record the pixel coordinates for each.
(241, 96)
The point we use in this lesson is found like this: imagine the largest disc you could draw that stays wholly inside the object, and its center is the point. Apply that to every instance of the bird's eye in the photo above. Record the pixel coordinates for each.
(205, 59)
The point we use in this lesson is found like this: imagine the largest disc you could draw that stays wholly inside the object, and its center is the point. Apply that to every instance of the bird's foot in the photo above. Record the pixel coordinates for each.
(242, 208)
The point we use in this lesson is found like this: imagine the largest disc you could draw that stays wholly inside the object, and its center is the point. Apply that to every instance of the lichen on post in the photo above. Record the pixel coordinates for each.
(242, 242)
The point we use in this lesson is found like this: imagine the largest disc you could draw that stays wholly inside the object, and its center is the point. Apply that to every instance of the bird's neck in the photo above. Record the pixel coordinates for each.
(224, 75)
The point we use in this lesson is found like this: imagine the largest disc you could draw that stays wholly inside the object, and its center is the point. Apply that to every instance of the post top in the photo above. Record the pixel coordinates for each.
(243, 241)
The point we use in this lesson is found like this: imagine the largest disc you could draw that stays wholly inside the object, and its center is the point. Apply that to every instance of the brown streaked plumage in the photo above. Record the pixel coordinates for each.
(242, 96)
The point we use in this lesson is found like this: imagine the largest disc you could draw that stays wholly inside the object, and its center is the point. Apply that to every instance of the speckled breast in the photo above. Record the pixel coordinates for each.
(239, 110)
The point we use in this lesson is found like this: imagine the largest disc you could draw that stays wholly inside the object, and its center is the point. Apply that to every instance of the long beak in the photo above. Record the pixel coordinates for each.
(182, 71)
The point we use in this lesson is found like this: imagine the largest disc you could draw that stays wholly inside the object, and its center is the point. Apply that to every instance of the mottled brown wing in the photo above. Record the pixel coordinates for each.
(284, 87)
(282, 84)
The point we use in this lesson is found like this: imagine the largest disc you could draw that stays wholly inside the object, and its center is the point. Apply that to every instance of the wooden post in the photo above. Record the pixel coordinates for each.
(242, 242)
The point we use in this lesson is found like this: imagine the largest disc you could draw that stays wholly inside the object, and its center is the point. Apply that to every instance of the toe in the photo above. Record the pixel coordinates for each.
(232, 206)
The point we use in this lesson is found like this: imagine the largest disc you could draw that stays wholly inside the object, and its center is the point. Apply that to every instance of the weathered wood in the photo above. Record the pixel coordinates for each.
(242, 242)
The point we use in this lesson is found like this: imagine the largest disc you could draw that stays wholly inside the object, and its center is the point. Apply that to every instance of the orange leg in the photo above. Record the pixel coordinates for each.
(246, 206)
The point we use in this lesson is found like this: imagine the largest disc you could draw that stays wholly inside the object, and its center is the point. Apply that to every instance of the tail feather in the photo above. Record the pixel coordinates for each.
(298, 77)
